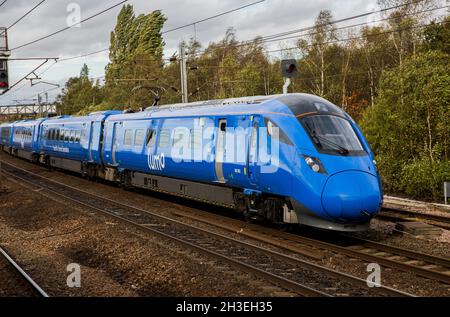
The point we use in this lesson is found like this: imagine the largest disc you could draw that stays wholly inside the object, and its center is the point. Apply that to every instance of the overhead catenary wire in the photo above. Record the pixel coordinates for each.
(275, 37)
(4, 1)
(271, 37)
(24, 15)
(212, 17)
(170, 30)
(69, 27)
(360, 37)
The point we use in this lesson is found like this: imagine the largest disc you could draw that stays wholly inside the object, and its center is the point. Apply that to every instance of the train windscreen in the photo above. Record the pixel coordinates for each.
(332, 135)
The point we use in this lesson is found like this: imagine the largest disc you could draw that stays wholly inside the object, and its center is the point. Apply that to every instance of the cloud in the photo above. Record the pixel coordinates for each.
(269, 17)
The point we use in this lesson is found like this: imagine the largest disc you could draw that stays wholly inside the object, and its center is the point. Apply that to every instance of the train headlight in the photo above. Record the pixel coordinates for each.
(315, 164)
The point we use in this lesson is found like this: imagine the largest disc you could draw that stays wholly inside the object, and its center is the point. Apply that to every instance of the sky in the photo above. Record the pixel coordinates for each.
(268, 17)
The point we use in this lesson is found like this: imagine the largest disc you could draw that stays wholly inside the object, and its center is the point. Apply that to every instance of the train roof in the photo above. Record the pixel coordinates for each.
(94, 116)
(291, 105)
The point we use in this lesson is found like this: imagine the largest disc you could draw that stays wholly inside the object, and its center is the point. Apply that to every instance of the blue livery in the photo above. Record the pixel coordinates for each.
(293, 158)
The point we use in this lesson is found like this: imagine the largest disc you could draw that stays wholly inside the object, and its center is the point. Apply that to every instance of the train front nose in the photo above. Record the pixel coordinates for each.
(352, 195)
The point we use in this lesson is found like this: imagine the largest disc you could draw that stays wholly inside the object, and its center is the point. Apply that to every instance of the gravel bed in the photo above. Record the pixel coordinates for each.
(380, 231)
(115, 260)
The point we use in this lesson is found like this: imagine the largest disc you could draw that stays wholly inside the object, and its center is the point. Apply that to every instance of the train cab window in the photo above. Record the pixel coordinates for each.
(128, 137)
(77, 136)
(72, 136)
(164, 138)
(139, 137)
(151, 138)
(273, 129)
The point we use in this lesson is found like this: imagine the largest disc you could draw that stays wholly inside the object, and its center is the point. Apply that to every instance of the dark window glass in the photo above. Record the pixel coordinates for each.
(128, 137)
(332, 134)
(271, 126)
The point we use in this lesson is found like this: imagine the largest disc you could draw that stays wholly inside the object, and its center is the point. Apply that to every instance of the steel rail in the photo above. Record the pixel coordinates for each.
(21, 272)
(440, 276)
(305, 264)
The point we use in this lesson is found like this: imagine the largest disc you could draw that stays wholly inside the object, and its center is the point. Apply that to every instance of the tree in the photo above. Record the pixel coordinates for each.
(79, 93)
(136, 63)
(437, 36)
(316, 49)
(408, 127)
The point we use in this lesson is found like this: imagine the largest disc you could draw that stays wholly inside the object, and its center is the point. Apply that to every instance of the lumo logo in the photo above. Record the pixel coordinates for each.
(156, 162)
(74, 17)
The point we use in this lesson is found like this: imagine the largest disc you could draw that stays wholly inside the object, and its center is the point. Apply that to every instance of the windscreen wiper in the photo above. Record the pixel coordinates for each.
(340, 148)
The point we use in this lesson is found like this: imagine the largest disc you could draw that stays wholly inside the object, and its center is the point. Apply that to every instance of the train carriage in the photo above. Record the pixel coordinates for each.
(5, 137)
(321, 173)
(25, 139)
(73, 143)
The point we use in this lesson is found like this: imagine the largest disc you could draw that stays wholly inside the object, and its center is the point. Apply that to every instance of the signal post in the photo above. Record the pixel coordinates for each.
(4, 56)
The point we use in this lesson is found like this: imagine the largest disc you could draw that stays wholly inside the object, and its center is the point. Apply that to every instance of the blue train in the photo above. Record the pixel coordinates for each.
(294, 158)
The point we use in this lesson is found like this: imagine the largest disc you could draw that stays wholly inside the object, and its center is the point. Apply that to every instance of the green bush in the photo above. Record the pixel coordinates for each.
(425, 179)
(408, 128)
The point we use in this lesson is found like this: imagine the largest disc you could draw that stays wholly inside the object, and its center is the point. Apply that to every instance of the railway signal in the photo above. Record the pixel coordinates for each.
(289, 70)
(4, 82)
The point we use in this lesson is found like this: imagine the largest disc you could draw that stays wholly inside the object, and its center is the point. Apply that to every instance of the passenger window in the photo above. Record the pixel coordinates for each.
(128, 137)
(57, 135)
(139, 137)
(179, 135)
(164, 138)
(66, 135)
(72, 136)
(196, 139)
(78, 136)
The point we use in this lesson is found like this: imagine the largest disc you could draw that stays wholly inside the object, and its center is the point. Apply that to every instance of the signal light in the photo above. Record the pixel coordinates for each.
(4, 85)
(289, 68)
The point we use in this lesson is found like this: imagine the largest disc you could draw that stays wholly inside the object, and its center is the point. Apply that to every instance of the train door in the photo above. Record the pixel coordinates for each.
(220, 150)
(114, 144)
(91, 141)
(252, 157)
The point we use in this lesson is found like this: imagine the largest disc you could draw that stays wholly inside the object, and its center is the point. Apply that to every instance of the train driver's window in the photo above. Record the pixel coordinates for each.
(128, 137)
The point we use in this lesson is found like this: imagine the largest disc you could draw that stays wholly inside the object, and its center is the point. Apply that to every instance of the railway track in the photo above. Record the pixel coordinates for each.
(396, 214)
(22, 275)
(424, 265)
(289, 272)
